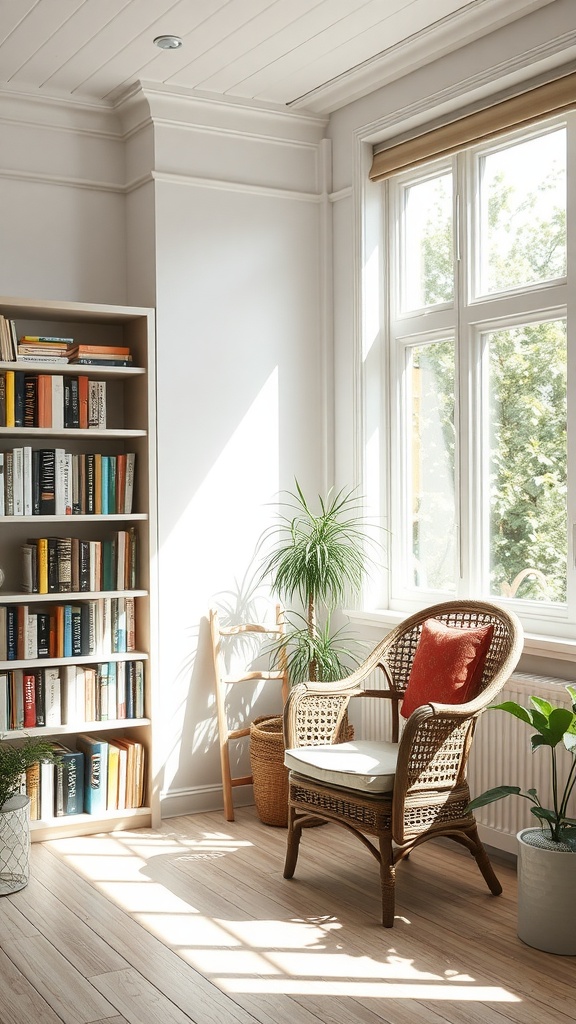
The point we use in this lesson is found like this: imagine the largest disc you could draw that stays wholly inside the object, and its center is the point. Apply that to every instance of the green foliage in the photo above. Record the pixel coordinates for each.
(320, 558)
(553, 725)
(15, 759)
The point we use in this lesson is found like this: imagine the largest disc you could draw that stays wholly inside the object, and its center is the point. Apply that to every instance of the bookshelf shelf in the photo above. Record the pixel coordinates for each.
(7, 597)
(71, 520)
(71, 730)
(85, 824)
(73, 369)
(72, 433)
(123, 425)
(78, 659)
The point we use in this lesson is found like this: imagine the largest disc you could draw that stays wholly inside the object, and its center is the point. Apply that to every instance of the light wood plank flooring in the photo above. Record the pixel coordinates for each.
(194, 922)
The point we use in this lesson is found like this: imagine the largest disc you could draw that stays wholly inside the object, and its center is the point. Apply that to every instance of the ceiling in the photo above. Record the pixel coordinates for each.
(305, 53)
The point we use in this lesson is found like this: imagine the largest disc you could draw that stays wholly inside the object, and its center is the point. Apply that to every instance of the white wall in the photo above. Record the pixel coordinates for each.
(238, 264)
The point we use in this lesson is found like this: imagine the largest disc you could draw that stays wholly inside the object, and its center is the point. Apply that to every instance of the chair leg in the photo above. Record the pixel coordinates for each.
(387, 882)
(483, 862)
(292, 843)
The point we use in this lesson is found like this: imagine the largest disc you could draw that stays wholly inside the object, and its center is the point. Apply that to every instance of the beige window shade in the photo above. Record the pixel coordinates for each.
(544, 101)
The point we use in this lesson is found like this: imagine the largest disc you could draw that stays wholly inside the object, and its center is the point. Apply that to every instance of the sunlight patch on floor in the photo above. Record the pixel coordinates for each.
(367, 990)
(146, 874)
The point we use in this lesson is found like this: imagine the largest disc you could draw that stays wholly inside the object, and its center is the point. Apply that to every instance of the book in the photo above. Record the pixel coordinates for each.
(27, 477)
(95, 753)
(46, 340)
(64, 560)
(33, 790)
(8, 483)
(40, 698)
(2, 499)
(47, 482)
(30, 400)
(84, 561)
(10, 384)
(44, 400)
(99, 350)
(71, 403)
(3, 633)
(35, 482)
(51, 678)
(18, 481)
(31, 636)
(47, 770)
(88, 613)
(97, 361)
(52, 571)
(29, 684)
(129, 484)
(41, 358)
(19, 397)
(11, 632)
(113, 774)
(69, 782)
(76, 615)
(83, 383)
(57, 401)
(43, 620)
(72, 694)
(17, 698)
(121, 677)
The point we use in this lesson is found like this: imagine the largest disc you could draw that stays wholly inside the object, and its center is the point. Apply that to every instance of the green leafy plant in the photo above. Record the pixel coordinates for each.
(321, 558)
(15, 759)
(553, 725)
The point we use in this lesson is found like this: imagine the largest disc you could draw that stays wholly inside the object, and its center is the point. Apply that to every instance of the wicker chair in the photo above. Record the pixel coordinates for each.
(420, 778)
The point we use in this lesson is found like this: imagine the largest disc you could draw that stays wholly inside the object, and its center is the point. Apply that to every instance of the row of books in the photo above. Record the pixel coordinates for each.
(99, 627)
(36, 348)
(31, 347)
(98, 776)
(52, 481)
(51, 401)
(63, 565)
(8, 339)
(71, 694)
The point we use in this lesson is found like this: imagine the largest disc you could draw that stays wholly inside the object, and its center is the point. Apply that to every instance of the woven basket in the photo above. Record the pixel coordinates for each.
(270, 777)
(269, 774)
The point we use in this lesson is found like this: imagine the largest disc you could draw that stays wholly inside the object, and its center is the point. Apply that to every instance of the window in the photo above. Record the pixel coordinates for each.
(478, 379)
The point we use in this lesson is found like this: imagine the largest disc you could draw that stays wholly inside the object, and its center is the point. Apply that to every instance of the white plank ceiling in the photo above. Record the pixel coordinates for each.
(268, 51)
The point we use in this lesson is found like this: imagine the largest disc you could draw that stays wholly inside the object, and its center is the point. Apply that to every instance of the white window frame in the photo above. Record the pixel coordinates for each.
(477, 314)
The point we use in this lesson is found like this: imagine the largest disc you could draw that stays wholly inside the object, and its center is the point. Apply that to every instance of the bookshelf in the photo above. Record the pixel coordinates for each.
(129, 428)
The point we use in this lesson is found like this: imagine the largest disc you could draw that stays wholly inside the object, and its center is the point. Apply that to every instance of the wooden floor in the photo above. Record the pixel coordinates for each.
(195, 923)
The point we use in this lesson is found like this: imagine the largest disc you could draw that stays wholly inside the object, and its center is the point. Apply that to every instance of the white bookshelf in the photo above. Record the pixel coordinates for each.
(130, 426)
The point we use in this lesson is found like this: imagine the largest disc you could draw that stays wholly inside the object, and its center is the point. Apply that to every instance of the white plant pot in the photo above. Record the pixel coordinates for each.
(14, 844)
(546, 896)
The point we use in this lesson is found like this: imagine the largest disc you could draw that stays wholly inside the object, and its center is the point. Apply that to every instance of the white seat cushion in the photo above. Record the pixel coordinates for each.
(364, 764)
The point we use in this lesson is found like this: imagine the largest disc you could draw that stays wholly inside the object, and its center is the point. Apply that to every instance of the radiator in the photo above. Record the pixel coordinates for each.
(501, 755)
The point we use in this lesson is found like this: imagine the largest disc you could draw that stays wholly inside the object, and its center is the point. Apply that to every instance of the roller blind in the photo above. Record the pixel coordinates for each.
(544, 101)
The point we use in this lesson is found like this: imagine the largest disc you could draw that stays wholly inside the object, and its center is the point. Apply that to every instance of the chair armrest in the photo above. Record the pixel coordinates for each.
(314, 712)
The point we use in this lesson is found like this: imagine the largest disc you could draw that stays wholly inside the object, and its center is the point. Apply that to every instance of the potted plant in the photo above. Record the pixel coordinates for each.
(546, 854)
(319, 558)
(15, 759)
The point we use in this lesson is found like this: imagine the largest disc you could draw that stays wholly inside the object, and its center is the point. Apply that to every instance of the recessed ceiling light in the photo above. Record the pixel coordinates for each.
(168, 42)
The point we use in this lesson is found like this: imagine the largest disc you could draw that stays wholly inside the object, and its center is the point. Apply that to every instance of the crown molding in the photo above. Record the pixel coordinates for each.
(476, 19)
(146, 103)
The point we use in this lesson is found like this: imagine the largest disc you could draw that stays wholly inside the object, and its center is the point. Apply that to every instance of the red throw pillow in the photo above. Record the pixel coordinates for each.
(448, 665)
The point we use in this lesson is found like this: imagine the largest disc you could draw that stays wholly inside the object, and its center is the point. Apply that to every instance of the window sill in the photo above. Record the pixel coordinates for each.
(535, 644)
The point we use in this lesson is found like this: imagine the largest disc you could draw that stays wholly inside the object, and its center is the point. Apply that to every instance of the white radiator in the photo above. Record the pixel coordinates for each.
(501, 755)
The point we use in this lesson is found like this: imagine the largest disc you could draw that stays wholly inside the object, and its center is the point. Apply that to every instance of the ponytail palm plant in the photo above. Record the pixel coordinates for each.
(321, 558)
